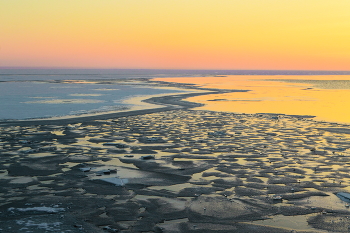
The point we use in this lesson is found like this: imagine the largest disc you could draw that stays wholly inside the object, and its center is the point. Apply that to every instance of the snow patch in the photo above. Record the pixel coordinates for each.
(47, 226)
(39, 209)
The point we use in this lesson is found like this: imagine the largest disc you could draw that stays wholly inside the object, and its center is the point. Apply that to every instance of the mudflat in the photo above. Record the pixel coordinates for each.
(178, 170)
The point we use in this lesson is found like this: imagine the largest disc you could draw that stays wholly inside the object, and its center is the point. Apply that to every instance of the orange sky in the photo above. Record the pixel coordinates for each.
(177, 34)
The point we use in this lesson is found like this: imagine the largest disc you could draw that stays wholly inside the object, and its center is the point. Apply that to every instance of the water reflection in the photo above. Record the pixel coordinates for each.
(326, 97)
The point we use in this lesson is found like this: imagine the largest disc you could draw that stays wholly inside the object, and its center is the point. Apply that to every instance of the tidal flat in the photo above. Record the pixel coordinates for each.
(176, 171)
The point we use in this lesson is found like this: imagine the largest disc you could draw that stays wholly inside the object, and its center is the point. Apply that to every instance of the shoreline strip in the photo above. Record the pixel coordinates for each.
(172, 102)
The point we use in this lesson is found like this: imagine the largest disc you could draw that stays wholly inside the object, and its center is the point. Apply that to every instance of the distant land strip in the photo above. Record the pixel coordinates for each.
(172, 102)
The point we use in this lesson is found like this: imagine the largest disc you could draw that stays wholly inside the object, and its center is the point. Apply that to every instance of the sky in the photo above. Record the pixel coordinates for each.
(176, 34)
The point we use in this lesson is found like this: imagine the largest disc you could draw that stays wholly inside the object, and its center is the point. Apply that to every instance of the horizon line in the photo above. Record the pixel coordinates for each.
(192, 69)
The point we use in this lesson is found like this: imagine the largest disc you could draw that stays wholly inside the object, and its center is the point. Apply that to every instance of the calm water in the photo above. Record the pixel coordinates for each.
(327, 97)
(26, 94)
(37, 93)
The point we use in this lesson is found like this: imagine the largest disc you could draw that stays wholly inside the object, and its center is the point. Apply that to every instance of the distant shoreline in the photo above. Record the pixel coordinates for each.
(166, 72)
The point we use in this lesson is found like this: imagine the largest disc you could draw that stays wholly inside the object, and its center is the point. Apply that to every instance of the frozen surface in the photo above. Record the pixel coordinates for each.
(32, 99)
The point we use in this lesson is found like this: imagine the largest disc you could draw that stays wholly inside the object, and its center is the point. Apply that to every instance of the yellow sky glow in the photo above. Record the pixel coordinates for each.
(192, 34)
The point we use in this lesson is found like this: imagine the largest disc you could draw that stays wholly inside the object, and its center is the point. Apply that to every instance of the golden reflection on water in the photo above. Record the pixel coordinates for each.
(326, 97)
